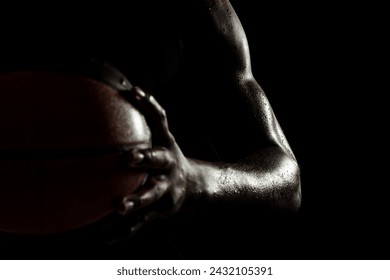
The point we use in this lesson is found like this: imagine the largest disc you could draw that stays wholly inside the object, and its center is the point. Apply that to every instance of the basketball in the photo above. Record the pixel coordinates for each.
(62, 143)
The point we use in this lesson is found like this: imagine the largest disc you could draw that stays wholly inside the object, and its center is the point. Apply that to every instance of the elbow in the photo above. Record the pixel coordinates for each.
(295, 198)
(291, 186)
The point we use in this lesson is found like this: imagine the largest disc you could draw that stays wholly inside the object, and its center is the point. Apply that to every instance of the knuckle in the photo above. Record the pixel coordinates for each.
(148, 155)
(174, 198)
(144, 200)
(160, 178)
(170, 162)
(171, 139)
(159, 190)
(162, 114)
(152, 99)
(178, 195)
(181, 179)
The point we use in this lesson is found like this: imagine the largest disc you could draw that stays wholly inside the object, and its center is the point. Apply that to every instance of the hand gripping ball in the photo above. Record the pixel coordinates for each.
(62, 143)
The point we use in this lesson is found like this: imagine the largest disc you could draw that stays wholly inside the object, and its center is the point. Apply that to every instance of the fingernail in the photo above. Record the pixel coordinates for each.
(126, 206)
(129, 205)
(139, 93)
(135, 158)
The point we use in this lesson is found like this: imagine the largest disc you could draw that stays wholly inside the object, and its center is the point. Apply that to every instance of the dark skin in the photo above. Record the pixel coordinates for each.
(220, 165)
(267, 177)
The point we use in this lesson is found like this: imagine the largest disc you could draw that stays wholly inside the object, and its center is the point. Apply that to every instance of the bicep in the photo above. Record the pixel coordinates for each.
(230, 36)
(231, 109)
(239, 119)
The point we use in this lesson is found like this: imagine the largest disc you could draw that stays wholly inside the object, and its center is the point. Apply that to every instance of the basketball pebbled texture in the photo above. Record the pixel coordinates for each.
(62, 144)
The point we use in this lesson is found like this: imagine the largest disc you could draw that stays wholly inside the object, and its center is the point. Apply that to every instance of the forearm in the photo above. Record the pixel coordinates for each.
(268, 179)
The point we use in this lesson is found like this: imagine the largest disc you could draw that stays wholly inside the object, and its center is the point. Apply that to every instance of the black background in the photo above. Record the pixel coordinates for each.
(315, 64)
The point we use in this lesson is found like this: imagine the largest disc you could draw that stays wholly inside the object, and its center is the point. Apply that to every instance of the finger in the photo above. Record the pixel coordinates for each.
(153, 190)
(154, 114)
(158, 158)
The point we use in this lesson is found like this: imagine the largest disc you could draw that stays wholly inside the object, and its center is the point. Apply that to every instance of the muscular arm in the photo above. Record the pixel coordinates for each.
(269, 175)
(256, 165)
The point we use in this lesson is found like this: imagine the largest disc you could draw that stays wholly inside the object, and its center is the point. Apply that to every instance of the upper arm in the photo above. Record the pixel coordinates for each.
(235, 110)
(214, 30)
(230, 34)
